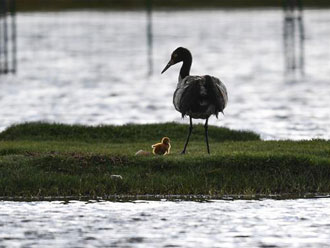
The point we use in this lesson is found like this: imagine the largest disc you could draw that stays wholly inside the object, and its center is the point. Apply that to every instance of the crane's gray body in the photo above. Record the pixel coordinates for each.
(200, 96)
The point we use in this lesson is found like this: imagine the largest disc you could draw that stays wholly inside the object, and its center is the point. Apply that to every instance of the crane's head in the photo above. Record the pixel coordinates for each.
(179, 54)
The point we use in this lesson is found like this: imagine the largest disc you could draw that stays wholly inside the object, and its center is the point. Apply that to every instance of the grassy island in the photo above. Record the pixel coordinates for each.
(41, 159)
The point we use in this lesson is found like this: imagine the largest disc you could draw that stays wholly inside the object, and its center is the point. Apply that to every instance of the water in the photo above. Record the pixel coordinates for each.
(92, 68)
(219, 223)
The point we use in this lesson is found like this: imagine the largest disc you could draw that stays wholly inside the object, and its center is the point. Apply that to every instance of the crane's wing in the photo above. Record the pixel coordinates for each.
(185, 93)
(189, 96)
(217, 93)
(200, 96)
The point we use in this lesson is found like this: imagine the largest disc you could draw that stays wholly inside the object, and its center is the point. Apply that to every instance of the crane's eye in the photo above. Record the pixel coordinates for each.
(175, 55)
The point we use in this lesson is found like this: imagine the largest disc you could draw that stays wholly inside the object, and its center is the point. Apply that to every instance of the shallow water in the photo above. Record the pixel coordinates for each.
(91, 68)
(217, 223)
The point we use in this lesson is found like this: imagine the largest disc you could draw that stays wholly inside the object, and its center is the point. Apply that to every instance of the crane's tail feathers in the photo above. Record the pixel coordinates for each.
(214, 92)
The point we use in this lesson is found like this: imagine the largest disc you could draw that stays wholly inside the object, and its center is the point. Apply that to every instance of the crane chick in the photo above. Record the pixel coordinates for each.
(162, 148)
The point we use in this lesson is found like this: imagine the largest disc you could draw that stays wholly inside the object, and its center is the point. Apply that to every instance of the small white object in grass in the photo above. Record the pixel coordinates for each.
(116, 177)
(142, 153)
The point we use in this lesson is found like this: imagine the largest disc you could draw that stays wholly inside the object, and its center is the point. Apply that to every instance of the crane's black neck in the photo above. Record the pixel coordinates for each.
(185, 68)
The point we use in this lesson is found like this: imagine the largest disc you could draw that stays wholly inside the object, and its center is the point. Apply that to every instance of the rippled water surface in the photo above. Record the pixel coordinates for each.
(219, 223)
(91, 68)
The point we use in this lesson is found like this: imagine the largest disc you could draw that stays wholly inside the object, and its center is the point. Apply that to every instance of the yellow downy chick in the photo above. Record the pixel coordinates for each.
(163, 147)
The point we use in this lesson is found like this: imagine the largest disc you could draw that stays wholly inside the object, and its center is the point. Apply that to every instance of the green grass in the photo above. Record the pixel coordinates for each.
(39, 131)
(39, 159)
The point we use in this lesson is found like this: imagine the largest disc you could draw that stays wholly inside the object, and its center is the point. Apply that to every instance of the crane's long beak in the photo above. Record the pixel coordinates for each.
(169, 64)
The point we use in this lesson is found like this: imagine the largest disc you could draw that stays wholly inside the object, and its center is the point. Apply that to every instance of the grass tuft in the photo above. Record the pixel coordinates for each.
(119, 134)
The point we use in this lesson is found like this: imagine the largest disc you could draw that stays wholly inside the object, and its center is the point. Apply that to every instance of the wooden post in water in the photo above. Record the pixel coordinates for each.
(13, 36)
(149, 36)
(301, 36)
(293, 35)
(7, 37)
(2, 36)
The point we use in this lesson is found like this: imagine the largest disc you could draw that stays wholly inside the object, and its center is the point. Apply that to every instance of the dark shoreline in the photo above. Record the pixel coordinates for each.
(160, 197)
(61, 5)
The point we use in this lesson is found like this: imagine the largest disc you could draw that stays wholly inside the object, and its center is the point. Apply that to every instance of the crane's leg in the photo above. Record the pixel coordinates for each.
(206, 135)
(190, 130)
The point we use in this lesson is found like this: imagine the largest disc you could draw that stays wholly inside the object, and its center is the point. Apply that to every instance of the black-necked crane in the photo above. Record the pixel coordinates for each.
(199, 97)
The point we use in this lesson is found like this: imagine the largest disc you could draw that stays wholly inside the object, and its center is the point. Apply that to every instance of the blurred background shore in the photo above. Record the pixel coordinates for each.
(50, 5)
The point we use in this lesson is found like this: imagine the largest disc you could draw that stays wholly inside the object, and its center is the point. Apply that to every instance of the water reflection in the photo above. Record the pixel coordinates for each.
(294, 36)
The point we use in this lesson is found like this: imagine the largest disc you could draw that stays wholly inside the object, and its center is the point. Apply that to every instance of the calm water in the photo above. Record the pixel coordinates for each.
(91, 68)
(240, 223)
